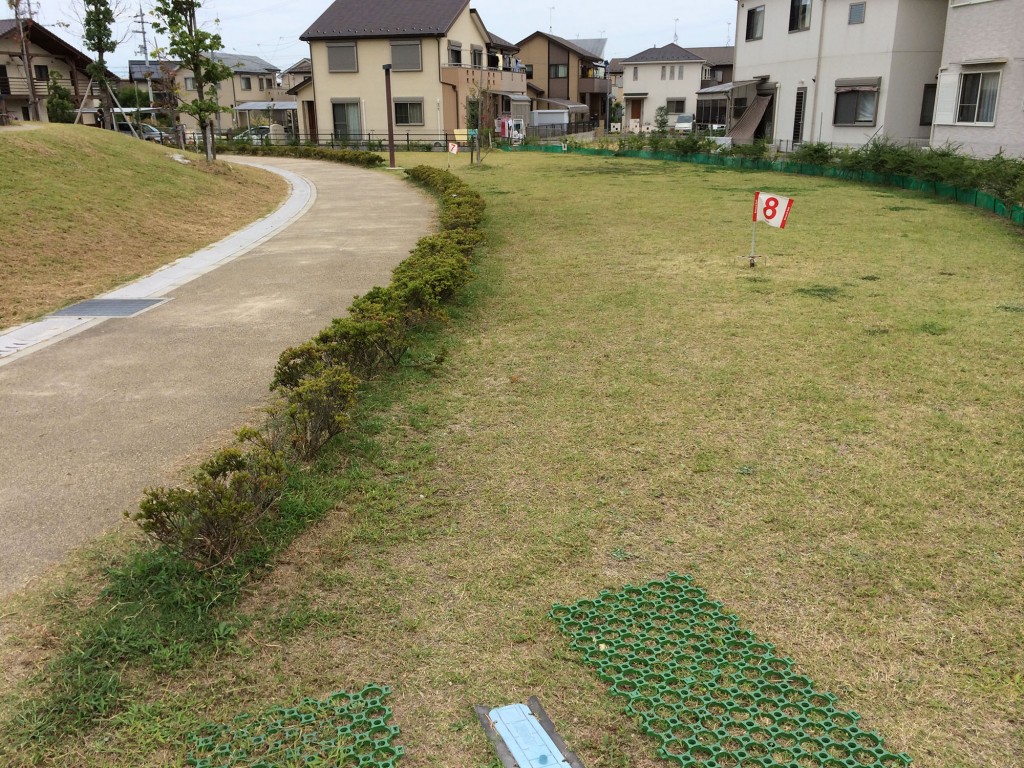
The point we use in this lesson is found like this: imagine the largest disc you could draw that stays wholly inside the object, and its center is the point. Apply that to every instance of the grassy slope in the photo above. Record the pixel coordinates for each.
(832, 446)
(86, 210)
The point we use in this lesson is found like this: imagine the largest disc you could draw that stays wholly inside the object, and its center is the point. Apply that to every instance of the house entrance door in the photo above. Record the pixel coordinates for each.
(635, 107)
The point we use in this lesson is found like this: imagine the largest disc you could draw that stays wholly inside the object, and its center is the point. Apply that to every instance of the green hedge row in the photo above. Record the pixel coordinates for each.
(347, 156)
(233, 501)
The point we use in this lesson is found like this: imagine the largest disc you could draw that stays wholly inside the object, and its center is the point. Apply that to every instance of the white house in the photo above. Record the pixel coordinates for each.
(669, 77)
(838, 72)
(980, 100)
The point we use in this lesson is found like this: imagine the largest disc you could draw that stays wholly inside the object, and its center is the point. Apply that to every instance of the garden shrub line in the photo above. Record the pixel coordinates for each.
(972, 197)
(347, 156)
(317, 384)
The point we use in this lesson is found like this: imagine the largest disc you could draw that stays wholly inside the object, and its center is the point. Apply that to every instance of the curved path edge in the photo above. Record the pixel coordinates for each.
(25, 339)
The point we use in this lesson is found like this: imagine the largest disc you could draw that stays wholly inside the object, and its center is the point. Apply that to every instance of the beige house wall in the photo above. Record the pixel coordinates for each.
(659, 91)
(71, 78)
(990, 31)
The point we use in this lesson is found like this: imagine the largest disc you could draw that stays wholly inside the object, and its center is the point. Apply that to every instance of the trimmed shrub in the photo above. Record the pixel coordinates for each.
(814, 153)
(319, 406)
(234, 494)
(346, 156)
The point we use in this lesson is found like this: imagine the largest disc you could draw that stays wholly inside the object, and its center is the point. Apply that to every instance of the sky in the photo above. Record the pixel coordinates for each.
(270, 29)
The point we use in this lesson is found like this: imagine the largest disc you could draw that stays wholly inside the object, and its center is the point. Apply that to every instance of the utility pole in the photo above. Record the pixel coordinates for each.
(141, 18)
(33, 102)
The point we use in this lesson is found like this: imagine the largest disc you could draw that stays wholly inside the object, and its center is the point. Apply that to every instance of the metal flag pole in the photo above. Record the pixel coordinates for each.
(753, 243)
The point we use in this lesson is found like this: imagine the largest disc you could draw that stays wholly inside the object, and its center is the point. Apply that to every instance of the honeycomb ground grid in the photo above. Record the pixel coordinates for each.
(708, 691)
(348, 730)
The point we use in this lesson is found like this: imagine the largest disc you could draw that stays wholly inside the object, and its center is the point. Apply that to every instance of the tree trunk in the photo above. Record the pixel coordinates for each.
(208, 139)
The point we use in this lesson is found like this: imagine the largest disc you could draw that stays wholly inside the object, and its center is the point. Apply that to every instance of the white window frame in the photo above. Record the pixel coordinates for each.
(190, 83)
(245, 82)
(859, 90)
(977, 106)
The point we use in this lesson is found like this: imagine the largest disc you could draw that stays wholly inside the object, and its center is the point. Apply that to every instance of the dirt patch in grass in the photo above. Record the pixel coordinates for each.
(94, 210)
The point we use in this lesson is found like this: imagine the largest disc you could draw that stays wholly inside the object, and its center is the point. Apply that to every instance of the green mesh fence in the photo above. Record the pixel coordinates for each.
(345, 730)
(972, 197)
(708, 691)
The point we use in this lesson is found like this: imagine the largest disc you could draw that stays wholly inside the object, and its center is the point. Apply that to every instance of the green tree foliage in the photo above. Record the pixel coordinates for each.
(59, 107)
(191, 46)
(131, 96)
(661, 119)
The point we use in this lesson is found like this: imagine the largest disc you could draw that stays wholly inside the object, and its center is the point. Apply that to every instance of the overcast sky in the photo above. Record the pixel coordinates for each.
(270, 29)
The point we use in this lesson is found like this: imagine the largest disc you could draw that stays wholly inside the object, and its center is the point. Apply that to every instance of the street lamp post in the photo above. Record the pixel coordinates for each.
(391, 126)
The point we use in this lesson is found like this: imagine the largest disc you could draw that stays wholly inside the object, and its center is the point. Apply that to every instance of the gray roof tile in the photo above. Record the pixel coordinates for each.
(385, 18)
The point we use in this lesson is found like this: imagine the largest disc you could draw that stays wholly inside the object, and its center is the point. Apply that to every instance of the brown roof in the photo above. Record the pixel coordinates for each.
(717, 56)
(386, 18)
(49, 42)
(670, 52)
(583, 53)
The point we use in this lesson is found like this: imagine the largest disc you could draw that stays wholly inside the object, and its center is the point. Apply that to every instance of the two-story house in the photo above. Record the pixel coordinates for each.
(443, 64)
(253, 81)
(838, 72)
(979, 95)
(669, 77)
(26, 69)
(566, 74)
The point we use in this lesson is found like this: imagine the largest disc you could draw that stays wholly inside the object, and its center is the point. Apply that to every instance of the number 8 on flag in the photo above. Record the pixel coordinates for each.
(772, 209)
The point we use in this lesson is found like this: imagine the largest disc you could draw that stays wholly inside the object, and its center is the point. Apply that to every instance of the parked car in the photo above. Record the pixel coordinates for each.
(146, 132)
(258, 134)
(683, 124)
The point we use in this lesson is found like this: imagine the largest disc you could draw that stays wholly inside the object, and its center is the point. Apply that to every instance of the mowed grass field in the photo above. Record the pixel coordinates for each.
(86, 210)
(832, 446)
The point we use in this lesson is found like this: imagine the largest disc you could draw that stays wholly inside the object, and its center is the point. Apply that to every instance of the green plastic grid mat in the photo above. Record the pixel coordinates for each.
(707, 690)
(347, 730)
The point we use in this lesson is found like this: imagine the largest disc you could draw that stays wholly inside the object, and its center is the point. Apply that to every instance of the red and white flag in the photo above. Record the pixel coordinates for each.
(453, 148)
(772, 209)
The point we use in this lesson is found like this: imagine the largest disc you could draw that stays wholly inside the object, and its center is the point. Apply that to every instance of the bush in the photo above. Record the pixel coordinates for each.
(234, 495)
(346, 156)
(814, 153)
(318, 407)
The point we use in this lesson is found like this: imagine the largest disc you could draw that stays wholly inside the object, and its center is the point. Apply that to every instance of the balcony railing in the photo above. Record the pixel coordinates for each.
(17, 87)
(595, 85)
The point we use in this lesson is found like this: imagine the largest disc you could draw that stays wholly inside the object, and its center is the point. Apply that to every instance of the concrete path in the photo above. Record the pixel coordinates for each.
(92, 419)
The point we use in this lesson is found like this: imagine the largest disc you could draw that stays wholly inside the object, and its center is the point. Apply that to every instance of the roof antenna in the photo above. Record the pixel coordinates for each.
(551, 14)
(675, 31)
(728, 33)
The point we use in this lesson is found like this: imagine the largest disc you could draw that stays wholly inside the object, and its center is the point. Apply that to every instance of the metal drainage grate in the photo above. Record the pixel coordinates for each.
(108, 308)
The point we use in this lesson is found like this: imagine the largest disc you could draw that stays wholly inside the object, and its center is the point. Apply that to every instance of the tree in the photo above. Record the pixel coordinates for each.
(131, 96)
(98, 37)
(192, 46)
(661, 119)
(59, 107)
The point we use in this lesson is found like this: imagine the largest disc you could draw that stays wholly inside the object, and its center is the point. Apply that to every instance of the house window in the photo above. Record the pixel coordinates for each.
(346, 117)
(739, 106)
(529, 71)
(799, 15)
(680, 71)
(408, 111)
(856, 101)
(928, 104)
(857, 11)
(478, 56)
(42, 72)
(190, 83)
(755, 23)
(978, 94)
(676, 106)
(556, 71)
(341, 57)
(405, 56)
(636, 73)
(454, 53)
(246, 83)
(671, 73)
(705, 73)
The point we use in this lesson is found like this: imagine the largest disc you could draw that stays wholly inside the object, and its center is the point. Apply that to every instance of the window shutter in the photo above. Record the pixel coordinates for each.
(945, 99)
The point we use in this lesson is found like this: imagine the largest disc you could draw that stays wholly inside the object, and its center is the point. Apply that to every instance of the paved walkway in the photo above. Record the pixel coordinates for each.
(96, 415)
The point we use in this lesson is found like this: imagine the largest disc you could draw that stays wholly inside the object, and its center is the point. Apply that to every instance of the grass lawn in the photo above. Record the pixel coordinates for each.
(87, 210)
(832, 446)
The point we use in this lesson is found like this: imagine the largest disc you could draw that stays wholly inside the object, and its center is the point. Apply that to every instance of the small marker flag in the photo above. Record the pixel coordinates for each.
(773, 210)
(453, 148)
